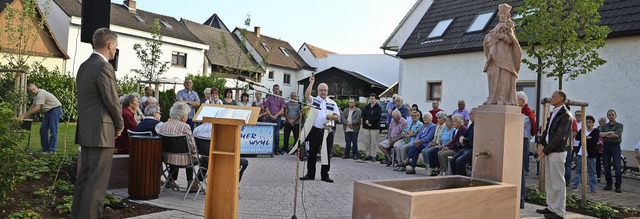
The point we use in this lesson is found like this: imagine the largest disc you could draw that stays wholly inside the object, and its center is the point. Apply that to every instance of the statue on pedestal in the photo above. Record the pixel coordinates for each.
(504, 55)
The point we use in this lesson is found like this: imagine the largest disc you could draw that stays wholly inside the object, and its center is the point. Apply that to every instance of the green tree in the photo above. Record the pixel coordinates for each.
(150, 55)
(562, 37)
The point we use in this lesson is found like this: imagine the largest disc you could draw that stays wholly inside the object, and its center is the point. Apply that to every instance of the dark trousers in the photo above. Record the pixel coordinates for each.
(91, 184)
(351, 138)
(174, 172)
(287, 132)
(190, 123)
(432, 153)
(599, 165)
(315, 143)
(525, 170)
(276, 133)
(414, 152)
(460, 160)
(567, 166)
(244, 163)
(612, 151)
(49, 129)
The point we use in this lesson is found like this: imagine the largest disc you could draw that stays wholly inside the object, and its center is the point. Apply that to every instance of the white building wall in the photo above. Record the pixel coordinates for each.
(278, 77)
(611, 86)
(408, 24)
(307, 56)
(380, 67)
(128, 59)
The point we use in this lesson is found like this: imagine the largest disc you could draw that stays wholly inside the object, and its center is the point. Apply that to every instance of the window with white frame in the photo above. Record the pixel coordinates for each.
(264, 45)
(434, 90)
(286, 79)
(529, 88)
(439, 29)
(480, 21)
(284, 51)
(166, 24)
(179, 59)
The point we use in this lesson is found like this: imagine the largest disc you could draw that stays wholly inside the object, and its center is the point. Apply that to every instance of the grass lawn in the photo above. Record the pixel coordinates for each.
(66, 138)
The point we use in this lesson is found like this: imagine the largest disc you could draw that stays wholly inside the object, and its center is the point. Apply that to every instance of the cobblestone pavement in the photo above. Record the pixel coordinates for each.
(268, 186)
(267, 190)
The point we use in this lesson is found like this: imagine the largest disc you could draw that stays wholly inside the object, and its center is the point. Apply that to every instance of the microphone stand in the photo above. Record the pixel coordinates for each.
(300, 141)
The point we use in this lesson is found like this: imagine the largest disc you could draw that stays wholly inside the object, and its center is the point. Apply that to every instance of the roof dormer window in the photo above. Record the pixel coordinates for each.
(138, 18)
(440, 28)
(167, 25)
(284, 51)
(480, 21)
(264, 45)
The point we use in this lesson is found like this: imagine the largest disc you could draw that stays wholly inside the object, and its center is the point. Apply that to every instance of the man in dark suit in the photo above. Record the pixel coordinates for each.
(99, 123)
(552, 149)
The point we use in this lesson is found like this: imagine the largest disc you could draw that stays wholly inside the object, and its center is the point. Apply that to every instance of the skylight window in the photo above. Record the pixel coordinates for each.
(167, 25)
(440, 28)
(264, 45)
(480, 22)
(138, 18)
(284, 51)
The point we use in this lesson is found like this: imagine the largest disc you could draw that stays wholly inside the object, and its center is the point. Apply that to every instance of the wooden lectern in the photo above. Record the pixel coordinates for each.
(224, 156)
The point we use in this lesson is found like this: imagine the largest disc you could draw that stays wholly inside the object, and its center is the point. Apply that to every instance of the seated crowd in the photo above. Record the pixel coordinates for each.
(180, 116)
(444, 140)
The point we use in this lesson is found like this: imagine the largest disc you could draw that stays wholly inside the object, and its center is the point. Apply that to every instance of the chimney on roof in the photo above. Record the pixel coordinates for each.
(131, 5)
(256, 30)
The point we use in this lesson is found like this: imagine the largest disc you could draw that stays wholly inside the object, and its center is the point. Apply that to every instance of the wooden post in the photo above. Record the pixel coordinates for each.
(545, 115)
(583, 145)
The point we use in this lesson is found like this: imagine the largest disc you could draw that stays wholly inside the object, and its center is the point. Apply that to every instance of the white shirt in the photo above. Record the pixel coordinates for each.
(321, 119)
(349, 119)
(576, 142)
(586, 134)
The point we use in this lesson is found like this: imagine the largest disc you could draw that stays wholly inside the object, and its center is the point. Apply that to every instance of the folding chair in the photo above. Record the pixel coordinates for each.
(181, 157)
(203, 150)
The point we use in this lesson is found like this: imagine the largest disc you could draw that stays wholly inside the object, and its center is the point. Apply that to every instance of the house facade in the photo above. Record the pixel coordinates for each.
(283, 65)
(42, 46)
(445, 63)
(180, 48)
(381, 68)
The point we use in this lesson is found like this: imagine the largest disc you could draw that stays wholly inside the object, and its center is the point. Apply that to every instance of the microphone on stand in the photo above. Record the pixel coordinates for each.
(251, 83)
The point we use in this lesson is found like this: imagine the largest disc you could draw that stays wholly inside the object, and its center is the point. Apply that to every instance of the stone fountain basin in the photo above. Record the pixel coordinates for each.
(434, 197)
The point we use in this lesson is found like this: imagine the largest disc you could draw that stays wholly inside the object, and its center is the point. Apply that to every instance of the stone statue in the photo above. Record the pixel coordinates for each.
(504, 55)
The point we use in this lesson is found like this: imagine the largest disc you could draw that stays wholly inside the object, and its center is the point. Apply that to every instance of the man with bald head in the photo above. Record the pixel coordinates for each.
(328, 113)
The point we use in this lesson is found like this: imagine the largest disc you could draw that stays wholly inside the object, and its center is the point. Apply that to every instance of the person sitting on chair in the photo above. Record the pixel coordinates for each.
(151, 119)
(177, 125)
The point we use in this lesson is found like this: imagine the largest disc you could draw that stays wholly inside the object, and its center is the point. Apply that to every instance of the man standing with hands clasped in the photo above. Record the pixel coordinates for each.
(552, 149)
(328, 110)
(99, 123)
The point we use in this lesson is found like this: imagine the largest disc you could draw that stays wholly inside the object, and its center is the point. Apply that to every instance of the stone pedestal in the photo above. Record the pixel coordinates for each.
(500, 131)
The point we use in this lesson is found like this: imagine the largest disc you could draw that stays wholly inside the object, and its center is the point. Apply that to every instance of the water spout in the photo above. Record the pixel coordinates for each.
(483, 153)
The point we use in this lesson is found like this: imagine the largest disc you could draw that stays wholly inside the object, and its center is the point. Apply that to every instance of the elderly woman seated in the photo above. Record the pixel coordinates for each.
(455, 144)
(177, 125)
(151, 119)
(130, 105)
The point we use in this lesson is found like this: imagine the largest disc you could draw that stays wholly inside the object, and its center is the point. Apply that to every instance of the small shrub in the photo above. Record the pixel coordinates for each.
(127, 85)
(167, 98)
(202, 82)
(25, 214)
(14, 161)
(534, 196)
(602, 210)
(65, 207)
(60, 85)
